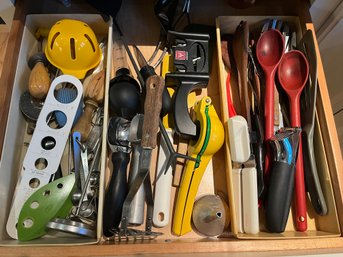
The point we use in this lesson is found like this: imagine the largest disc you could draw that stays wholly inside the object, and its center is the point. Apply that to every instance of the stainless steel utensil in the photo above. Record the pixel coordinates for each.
(72, 227)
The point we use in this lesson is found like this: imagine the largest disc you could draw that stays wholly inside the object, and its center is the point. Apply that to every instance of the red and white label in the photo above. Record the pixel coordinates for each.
(181, 55)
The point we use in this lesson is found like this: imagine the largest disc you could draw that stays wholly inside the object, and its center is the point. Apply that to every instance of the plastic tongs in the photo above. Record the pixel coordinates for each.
(281, 184)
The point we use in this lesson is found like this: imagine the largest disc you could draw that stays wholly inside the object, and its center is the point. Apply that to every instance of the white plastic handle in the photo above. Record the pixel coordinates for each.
(239, 139)
(163, 186)
(237, 195)
(250, 201)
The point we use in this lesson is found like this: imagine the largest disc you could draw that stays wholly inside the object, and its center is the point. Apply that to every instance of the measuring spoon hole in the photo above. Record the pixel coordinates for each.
(48, 143)
(41, 164)
(34, 205)
(34, 182)
(65, 93)
(56, 119)
(59, 185)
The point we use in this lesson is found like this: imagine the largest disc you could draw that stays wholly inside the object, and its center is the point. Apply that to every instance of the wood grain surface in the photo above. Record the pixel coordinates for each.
(329, 131)
(194, 247)
(3, 44)
(152, 109)
(8, 70)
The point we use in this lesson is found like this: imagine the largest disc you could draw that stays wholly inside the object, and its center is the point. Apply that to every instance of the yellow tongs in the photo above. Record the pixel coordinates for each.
(210, 140)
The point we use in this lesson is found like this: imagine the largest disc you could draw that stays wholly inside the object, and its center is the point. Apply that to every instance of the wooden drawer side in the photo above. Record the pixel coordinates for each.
(329, 131)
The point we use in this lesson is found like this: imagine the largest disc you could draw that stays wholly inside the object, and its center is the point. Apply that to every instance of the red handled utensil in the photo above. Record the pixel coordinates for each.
(269, 51)
(231, 108)
(293, 74)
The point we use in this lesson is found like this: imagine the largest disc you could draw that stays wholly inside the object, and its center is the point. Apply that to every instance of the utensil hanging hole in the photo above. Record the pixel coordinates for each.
(161, 216)
(51, 119)
(219, 214)
(28, 223)
(34, 205)
(41, 163)
(46, 193)
(59, 185)
(301, 219)
(34, 182)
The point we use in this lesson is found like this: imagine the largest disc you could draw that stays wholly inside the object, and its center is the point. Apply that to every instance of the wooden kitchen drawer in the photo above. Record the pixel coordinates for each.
(146, 35)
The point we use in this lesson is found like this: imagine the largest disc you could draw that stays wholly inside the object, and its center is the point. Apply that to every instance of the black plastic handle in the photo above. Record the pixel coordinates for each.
(279, 198)
(116, 193)
(312, 181)
(259, 158)
(184, 126)
(165, 10)
(257, 145)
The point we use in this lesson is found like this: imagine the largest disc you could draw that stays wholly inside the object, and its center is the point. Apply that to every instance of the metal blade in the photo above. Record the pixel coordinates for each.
(118, 133)
(143, 172)
(135, 133)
